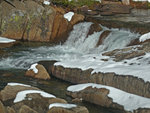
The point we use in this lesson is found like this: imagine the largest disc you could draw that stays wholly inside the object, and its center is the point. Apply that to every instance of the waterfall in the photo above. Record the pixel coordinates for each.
(77, 45)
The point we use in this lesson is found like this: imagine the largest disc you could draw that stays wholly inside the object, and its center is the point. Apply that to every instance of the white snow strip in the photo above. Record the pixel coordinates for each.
(62, 105)
(144, 37)
(141, 0)
(130, 102)
(138, 66)
(69, 15)
(15, 84)
(46, 2)
(22, 94)
(6, 40)
(33, 67)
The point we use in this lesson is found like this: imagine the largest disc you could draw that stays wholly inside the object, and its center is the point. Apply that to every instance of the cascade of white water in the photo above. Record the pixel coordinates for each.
(77, 45)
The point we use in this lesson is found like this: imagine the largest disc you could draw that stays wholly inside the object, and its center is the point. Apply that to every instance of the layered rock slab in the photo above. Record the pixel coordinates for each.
(110, 97)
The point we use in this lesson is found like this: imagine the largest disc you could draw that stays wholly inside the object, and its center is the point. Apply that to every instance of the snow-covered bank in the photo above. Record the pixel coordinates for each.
(130, 102)
(144, 37)
(138, 66)
(6, 40)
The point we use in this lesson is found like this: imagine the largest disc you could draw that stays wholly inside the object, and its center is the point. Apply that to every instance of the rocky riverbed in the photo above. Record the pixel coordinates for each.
(103, 50)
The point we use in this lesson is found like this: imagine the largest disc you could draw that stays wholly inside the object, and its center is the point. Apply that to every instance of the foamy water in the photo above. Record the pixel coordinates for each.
(77, 46)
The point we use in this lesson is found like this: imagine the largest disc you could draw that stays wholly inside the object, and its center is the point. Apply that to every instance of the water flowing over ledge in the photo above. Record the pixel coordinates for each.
(77, 46)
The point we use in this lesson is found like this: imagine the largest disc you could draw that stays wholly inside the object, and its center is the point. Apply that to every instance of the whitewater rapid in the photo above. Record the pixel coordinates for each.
(77, 46)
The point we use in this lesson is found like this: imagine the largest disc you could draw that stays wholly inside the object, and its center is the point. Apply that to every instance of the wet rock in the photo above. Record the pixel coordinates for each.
(26, 109)
(94, 28)
(41, 74)
(72, 110)
(102, 37)
(127, 53)
(134, 42)
(2, 108)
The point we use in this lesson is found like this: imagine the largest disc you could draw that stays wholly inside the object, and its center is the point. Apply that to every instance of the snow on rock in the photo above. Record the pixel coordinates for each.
(6, 40)
(69, 15)
(15, 84)
(46, 2)
(22, 94)
(141, 0)
(33, 67)
(144, 37)
(140, 65)
(68, 106)
(130, 102)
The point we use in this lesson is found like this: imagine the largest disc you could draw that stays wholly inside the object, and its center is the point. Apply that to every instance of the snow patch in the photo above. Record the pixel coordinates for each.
(46, 2)
(6, 40)
(15, 84)
(130, 102)
(144, 37)
(69, 15)
(141, 0)
(68, 106)
(138, 66)
(33, 67)
(22, 94)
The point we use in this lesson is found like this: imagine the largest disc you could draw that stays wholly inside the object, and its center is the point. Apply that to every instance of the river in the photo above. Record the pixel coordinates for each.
(19, 58)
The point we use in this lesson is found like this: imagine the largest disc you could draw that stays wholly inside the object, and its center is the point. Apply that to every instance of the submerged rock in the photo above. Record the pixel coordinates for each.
(94, 28)
(102, 37)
